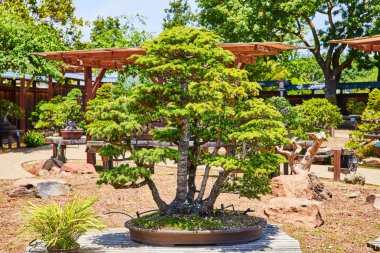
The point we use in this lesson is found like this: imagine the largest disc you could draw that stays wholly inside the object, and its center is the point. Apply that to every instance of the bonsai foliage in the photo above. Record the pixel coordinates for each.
(202, 100)
(60, 110)
(9, 110)
(60, 226)
(313, 115)
(370, 125)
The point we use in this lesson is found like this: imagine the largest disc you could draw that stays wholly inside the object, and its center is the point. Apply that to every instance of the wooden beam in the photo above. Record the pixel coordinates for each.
(97, 83)
(50, 88)
(87, 84)
(240, 65)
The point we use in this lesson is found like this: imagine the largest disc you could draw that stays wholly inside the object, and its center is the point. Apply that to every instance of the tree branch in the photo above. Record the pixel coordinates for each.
(156, 196)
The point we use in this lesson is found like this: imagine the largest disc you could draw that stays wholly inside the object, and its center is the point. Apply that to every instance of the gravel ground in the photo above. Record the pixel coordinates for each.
(350, 222)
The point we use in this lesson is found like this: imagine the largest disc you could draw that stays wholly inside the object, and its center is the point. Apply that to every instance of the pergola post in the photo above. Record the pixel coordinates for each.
(87, 84)
(50, 89)
(22, 103)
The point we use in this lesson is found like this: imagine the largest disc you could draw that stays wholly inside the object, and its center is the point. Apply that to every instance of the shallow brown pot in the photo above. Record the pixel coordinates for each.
(51, 250)
(208, 237)
(73, 134)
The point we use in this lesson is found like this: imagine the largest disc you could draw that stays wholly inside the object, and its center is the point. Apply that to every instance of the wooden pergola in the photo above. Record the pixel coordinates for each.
(117, 58)
(367, 44)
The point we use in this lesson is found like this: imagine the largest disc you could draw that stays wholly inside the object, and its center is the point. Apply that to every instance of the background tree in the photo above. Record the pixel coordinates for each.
(280, 19)
(200, 98)
(178, 14)
(35, 26)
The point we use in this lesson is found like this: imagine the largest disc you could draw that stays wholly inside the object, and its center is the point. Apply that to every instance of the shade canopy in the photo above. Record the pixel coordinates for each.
(117, 58)
(367, 44)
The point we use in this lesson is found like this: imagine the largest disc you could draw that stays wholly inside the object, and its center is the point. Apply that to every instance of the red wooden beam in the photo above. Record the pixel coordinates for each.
(87, 84)
(97, 83)
(51, 91)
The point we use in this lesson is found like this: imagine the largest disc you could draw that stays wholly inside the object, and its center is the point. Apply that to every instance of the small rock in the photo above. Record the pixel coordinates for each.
(354, 194)
(371, 198)
(376, 204)
(374, 161)
(50, 163)
(79, 168)
(42, 173)
(40, 188)
(354, 179)
(54, 171)
(299, 212)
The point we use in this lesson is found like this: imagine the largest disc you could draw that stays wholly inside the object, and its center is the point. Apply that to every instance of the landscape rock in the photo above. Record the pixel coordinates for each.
(376, 203)
(371, 198)
(79, 168)
(296, 211)
(54, 171)
(374, 161)
(42, 173)
(40, 188)
(50, 163)
(354, 194)
(299, 186)
(354, 179)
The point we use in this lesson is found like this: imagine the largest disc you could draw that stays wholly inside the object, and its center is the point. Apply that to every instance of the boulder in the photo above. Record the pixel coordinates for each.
(374, 161)
(354, 179)
(50, 163)
(304, 185)
(79, 168)
(40, 188)
(296, 211)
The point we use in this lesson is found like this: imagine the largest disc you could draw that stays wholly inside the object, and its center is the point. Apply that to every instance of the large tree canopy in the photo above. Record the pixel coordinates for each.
(35, 26)
(278, 19)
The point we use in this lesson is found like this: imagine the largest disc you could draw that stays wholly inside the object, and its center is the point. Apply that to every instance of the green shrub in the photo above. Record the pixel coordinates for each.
(34, 139)
(60, 226)
(120, 177)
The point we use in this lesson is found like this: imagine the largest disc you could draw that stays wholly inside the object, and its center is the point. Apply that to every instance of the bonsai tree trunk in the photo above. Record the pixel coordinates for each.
(307, 160)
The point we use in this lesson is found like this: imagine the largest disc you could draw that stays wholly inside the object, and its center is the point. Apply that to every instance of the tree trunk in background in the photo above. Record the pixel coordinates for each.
(330, 87)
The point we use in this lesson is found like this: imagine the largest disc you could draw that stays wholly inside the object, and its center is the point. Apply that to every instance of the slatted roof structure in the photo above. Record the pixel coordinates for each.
(367, 44)
(117, 58)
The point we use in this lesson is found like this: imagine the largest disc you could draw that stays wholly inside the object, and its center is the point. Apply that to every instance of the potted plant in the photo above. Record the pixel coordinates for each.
(59, 227)
(62, 112)
(8, 111)
(71, 131)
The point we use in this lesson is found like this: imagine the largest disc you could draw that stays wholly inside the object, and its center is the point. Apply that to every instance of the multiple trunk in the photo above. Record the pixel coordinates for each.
(304, 165)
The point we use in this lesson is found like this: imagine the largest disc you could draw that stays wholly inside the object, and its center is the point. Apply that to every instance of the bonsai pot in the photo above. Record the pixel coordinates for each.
(71, 134)
(206, 237)
(52, 250)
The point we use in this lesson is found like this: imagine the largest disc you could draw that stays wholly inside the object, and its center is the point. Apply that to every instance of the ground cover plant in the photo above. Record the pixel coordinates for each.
(202, 101)
(60, 226)
(34, 139)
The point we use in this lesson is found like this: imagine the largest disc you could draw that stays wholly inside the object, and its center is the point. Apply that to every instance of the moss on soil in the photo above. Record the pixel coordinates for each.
(217, 221)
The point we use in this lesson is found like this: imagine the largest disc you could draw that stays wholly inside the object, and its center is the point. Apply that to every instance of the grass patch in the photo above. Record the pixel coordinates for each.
(216, 221)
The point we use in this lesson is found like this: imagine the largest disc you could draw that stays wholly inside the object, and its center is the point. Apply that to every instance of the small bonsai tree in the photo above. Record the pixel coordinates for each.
(201, 100)
(370, 125)
(9, 111)
(59, 111)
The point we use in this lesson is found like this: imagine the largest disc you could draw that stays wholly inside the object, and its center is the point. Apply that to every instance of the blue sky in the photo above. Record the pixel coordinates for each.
(153, 10)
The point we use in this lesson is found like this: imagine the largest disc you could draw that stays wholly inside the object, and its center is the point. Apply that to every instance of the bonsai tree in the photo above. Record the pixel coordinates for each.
(202, 101)
(313, 115)
(370, 125)
(61, 226)
(59, 111)
(9, 111)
